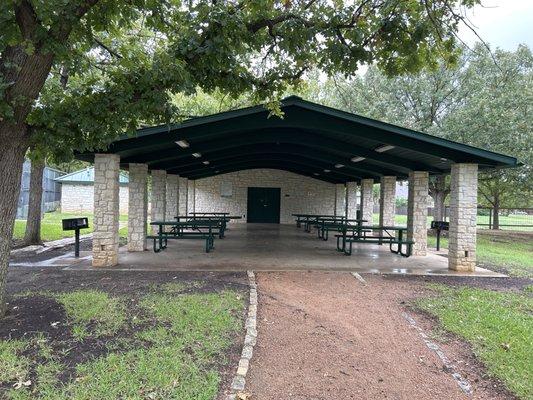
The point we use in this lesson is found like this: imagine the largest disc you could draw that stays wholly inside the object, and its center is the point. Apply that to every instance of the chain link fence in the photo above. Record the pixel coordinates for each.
(516, 219)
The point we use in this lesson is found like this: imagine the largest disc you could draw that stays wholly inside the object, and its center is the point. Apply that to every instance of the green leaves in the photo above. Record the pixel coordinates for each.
(125, 59)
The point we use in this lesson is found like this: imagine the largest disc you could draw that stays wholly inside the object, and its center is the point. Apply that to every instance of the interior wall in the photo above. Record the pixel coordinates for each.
(299, 194)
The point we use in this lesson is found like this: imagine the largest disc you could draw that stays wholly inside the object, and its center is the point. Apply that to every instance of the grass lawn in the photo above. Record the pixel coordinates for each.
(516, 220)
(51, 228)
(161, 341)
(499, 325)
(514, 252)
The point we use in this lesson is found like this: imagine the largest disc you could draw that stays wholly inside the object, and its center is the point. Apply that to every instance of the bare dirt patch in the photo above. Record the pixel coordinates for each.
(325, 335)
(34, 312)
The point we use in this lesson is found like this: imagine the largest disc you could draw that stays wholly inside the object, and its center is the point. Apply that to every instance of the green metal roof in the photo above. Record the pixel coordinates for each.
(86, 176)
(311, 139)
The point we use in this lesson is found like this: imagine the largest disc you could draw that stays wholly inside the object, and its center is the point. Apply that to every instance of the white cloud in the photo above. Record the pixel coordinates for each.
(502, 23)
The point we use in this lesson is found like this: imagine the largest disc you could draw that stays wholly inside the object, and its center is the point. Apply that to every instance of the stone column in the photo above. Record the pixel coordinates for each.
(367, 200)
(191, 197)
(106, 210)
(351, 200)
(340, 197)
(137, 206)
(171, 208)
(183, 195)
(387, 200)
(417, 211)
(463, 218)
(159, 188)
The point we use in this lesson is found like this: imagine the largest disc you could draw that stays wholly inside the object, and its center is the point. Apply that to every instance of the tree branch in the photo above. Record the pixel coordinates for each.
(26, 19)
(107, 48)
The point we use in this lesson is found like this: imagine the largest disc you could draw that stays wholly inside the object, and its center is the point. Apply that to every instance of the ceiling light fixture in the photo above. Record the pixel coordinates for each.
(316, 174)
(339, 165)
(182, 143)
(383, 148)
(327, 170)
(357, 159)
(196, 155)
(205, 162)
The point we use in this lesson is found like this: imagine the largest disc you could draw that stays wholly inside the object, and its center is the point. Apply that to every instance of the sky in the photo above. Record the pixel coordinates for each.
(502, 23)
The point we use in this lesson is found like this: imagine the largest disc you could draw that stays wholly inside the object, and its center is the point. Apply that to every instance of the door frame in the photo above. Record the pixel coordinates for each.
(272, 189)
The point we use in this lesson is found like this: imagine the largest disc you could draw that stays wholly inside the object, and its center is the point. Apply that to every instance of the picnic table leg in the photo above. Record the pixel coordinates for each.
(160, 235)
(344, 239)
(349, 251)
(409, 250)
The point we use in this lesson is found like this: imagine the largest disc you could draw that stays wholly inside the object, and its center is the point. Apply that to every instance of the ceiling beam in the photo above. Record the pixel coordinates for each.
(330, 159)
(157, 159)
(268, 165)
(311, 165)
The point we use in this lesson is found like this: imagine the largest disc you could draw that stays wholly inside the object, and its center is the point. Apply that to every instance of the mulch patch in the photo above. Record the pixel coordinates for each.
(32, 312)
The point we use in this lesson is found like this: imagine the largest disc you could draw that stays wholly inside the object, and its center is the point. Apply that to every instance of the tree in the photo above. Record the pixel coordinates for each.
(32, 235)
(485, 101)
(417, 101)
(497, 117)
(123, 59)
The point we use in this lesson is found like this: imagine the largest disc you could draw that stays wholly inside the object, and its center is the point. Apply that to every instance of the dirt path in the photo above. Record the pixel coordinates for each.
(327, 336)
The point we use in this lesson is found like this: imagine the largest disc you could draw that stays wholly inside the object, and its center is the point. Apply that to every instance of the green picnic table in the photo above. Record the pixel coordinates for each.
(195, 229)
(324, 225)
(310, 219)
(359, 236)
(223, 219)
(210, 213)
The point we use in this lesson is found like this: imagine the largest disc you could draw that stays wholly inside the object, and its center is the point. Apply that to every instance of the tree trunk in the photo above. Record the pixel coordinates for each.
(438, 193)
(496, 212)
(438, 210)
(14, 147)
(33, 222)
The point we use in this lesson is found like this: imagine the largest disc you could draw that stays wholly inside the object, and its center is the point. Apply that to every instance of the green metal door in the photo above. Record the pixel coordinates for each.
(263, 205)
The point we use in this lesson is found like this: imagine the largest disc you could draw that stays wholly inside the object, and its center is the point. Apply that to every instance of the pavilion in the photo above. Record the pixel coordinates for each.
(313, 160)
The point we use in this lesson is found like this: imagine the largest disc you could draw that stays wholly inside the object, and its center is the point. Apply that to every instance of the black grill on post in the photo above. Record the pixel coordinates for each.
(75, 224)
(440, 226)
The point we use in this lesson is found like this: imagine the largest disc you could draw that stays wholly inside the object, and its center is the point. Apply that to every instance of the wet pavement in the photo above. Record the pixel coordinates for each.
(268, 247)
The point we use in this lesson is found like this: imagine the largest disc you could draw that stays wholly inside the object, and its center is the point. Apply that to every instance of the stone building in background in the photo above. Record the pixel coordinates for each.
(77, 191)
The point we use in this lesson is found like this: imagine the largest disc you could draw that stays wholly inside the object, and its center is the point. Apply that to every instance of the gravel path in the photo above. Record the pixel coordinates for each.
(327, 336)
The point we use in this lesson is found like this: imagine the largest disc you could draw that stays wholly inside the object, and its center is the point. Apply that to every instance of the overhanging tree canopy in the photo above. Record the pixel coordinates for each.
(311, 139)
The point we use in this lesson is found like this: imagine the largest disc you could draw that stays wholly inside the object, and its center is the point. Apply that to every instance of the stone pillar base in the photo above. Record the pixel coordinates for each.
(417, 211)
(387, 201)
(183, 195)
(351, 200)
(106, 210)
(159, 197)
(138, 202)
(463, 218)
(367, 200)
(340, 198)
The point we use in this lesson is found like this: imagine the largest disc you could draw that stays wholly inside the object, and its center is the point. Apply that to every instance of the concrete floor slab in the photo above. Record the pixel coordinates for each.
(272, 247)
